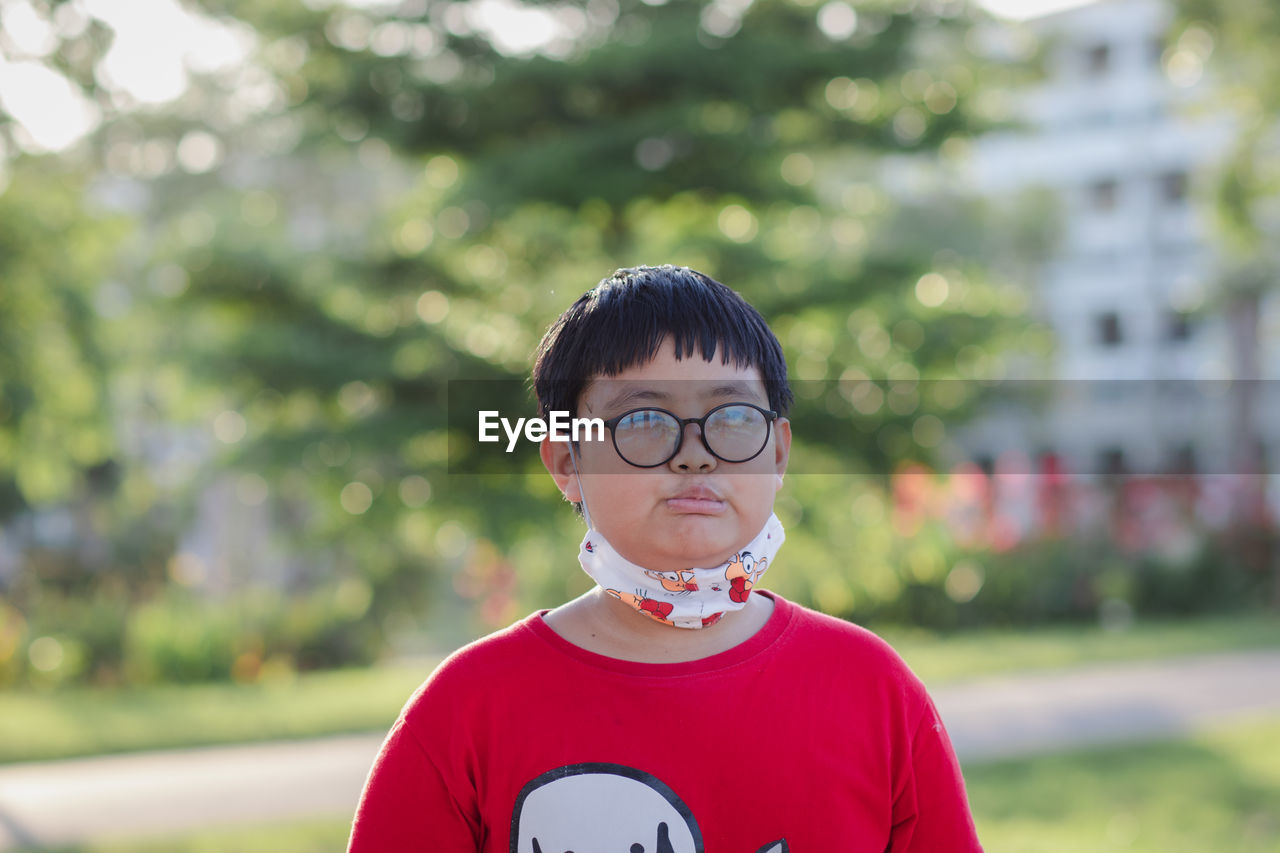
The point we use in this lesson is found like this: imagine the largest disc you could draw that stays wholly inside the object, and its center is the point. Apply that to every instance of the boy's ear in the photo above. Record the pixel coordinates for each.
(781, 446)
(558, 462)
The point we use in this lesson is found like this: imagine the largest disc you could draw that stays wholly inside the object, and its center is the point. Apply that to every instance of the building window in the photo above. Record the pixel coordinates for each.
(1178, 326)
(1104, 194)
(1109, 332)
(1182, 460)
(1111, 462)
(1098, 60)
(1173, 188)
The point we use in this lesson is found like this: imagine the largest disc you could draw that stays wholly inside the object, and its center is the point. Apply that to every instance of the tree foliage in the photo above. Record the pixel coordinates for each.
(390, 201)
(55, 431)
(754, 155)
(1234, 41)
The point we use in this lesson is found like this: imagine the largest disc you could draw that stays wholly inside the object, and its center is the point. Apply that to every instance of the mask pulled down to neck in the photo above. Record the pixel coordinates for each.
(687, 598)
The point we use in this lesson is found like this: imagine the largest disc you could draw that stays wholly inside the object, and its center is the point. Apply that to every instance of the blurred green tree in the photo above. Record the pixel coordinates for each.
(56, 437)
(758, 142)
(387, 196)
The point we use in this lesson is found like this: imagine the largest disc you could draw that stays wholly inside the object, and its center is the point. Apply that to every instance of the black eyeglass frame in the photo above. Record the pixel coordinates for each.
(769, 417)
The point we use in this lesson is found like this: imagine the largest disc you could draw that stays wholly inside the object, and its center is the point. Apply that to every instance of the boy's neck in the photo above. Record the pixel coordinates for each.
(600, 623)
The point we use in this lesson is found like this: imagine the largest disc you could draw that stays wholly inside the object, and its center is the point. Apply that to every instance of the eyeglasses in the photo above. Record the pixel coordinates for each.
(733, 432)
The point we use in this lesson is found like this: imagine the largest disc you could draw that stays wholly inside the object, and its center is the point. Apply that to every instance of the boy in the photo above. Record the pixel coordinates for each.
(669, 709)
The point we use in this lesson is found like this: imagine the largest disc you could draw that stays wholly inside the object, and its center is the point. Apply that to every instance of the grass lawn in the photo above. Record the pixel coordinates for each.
(321, 836)
(82, 721)
(1210, 793)
(938, 658)
(42, 725)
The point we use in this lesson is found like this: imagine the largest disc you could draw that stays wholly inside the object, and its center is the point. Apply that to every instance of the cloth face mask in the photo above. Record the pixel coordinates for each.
(691, 598)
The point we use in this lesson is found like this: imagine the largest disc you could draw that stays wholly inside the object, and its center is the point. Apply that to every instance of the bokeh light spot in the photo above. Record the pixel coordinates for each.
(737, 223)
(356, 498)
(837, 20)
(797, 169)
(415, 490)
(432, 307)
(964, 581)
(932, 290)
(46, 654)
(229, 427)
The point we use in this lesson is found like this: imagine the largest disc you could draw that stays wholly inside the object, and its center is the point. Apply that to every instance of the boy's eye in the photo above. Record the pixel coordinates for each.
(649, 420)
(646, 437)
(733, 432)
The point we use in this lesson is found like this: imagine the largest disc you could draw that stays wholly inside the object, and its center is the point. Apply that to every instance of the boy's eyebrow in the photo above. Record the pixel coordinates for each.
(636, 395)
(652, 395)
(732, 389)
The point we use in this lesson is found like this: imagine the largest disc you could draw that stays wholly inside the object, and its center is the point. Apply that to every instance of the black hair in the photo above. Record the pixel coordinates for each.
(624, 319)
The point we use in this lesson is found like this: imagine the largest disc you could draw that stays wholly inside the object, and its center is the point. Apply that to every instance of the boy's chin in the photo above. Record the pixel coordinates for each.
(698, 549)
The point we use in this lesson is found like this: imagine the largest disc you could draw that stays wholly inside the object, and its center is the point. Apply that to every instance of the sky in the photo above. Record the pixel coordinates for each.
(1022, 10)
(154, 70)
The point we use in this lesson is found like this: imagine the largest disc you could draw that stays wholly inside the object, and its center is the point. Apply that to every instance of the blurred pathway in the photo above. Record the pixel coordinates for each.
(167, 792)
(1019, 715)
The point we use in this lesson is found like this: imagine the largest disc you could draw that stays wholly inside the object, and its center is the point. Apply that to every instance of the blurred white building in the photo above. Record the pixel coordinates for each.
(1122, 129)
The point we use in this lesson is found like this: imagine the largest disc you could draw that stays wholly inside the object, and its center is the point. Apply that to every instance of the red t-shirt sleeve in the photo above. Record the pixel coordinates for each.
(407, 805)
(930, 809)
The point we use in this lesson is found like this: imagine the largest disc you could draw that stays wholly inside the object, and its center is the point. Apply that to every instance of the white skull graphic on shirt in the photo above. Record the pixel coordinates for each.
(605, 808)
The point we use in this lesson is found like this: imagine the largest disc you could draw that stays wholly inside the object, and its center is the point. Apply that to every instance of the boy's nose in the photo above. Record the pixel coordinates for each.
(693, 455)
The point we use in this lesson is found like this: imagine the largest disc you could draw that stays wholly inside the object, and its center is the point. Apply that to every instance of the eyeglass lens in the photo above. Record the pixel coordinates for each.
(649, 436)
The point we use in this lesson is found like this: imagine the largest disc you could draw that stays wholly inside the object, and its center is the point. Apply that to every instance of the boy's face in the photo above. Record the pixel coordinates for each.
(695, 510)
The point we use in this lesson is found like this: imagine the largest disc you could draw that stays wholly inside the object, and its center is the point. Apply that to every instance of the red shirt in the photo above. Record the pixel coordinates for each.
(810, 737)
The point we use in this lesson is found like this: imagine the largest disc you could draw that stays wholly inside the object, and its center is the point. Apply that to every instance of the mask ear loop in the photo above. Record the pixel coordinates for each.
(586, 513)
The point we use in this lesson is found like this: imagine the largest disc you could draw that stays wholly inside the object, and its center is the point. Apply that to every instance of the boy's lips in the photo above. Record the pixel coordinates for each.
(697, 501)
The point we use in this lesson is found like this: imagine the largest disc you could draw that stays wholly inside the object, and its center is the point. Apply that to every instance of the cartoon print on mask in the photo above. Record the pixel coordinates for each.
(605, 808)
(658, 610)
(674, 581)
(694, 593)
(742, 573)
